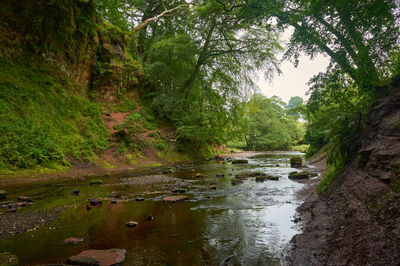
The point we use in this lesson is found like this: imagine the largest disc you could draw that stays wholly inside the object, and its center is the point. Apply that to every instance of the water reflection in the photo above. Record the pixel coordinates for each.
(251, 220)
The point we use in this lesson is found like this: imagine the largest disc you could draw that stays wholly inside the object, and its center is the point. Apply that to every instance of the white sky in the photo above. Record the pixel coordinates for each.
(292, 81)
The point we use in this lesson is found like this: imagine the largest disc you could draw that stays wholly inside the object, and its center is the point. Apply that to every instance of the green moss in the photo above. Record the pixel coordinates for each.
(329, 178)
(43, 122)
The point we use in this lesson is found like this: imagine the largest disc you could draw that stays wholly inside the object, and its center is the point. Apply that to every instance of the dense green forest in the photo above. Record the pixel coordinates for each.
(188, 65)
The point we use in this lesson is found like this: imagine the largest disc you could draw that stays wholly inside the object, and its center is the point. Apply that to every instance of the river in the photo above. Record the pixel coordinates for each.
(253, 220)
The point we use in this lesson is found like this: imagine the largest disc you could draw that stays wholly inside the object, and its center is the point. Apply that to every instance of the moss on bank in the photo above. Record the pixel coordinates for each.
(43, 120)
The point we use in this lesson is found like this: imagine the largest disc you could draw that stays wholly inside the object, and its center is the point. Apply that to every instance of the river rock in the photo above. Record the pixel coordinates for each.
(220, 175)
(73, 241)
(95, 182)
(131, 224)
(109, 257)
(240, 161)
(236, 182)
(296, 162)
(76, 192)
(213, 187)
(179, 191)
(175, 198)
(95, 202)
(150, 218)
(273, 177)
(139, 199)
(3, 194)
(301, 175)
(199, 175)
(25, 199)
(260, 178)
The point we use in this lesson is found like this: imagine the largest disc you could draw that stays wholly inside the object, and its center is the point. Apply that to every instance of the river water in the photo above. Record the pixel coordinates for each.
(253, 221)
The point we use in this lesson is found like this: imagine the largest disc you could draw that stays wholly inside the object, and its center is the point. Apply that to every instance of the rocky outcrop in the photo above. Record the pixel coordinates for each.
(356, 222)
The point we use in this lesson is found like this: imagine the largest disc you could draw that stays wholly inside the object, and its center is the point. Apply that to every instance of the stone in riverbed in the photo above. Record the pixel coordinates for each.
(260, 178)
(25, 199)
(273, 177)
(73, 241)
(139, 199)
(179, 191)
(213, 187)
(95, 182)
(175, 198)
(235, 182)
(76, 192)
(301, 175)
(220, 175)
(199, 175)
(131, 224)
(3, 194)
(240, 161)
(95, 202)
(296, 162)
(109, 257)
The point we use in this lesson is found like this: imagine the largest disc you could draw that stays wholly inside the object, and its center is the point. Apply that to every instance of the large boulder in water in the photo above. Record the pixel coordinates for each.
(109, 257)
(296, 162)
(301, 175)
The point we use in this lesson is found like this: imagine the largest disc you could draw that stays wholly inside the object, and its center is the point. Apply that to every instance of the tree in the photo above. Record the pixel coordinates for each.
(199, 64)
(293, 106)
(268, 127)
(357, 35)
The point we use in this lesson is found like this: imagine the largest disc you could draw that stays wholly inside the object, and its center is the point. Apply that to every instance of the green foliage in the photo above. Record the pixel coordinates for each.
(329, 178)
(357, 35)
(268, 126)
(337, 112)
(42, 121)
(294, 106)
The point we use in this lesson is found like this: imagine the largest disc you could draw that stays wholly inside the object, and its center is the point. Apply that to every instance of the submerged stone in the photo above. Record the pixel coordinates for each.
(109, 257)
(73, 241)
(139, 199)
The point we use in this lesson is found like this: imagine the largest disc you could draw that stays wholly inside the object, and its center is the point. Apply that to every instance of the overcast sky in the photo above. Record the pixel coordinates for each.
(292, 81)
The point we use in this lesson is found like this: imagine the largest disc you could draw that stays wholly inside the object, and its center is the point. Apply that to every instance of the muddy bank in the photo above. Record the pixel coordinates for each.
(357, 222)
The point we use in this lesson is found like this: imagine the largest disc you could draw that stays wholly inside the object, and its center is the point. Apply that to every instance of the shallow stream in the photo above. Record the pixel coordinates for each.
(253, 221)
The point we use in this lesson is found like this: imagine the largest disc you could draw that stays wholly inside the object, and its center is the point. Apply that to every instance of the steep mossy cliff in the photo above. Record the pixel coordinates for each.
(60, 66)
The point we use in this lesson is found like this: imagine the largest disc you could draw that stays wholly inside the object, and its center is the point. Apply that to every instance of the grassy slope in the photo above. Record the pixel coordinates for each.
(43, 121)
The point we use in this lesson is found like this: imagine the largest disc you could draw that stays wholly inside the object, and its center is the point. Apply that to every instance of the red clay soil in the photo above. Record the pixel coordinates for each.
(357, 222)
(113, 119)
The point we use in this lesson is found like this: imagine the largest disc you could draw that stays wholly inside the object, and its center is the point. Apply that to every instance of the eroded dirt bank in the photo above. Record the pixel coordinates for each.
(357, 222)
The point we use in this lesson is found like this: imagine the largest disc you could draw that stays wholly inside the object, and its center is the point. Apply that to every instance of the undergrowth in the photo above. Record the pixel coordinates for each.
(42, 121)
